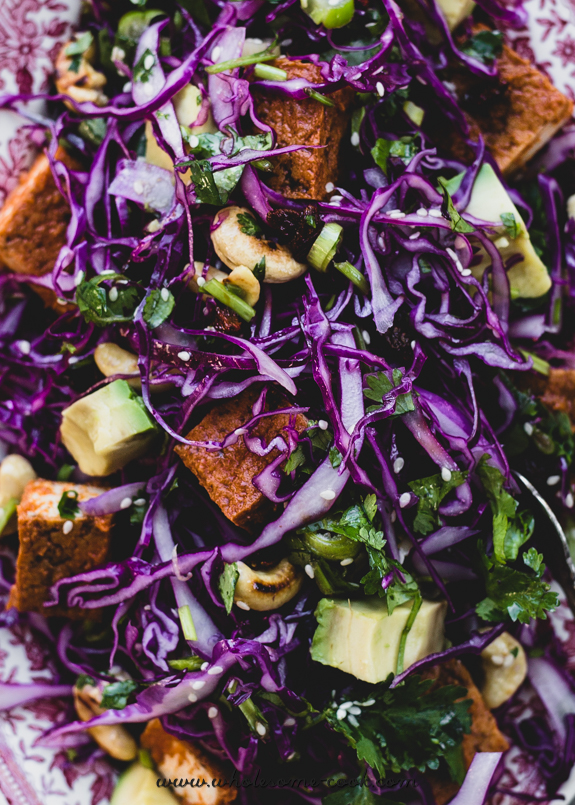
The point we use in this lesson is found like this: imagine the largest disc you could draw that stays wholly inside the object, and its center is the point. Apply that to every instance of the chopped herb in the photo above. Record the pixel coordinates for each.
(141, 72)
(249, 225)
(335, 457)
(204, 183)
(485, 46)
(65, 472)
(187, 622)
(407, 727)
(380, 387)
(511, 224)
(515, 594)
(93, 129)
(7, 511)
(145, 759)
(458, 223)
(259, 270)
(431, 492)
(84, 680)
(68, 505)
(227, 585)
(157, 307)
(405, 148)
(77, 48)
(97, 307)
(115, 696)
(296, 459)
(416, 606)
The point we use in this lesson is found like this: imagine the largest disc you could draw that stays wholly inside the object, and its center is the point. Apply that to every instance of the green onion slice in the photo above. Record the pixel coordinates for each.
(187, 623)
(355, 275)
(267, 72)
(325, 246)
(219, 291)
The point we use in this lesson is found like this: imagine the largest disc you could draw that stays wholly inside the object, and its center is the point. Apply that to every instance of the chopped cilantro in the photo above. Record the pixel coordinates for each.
(510, 223)
(65, 472)
(458, 223)
(380, 386)
(407, 727)
(84, 680)
(431, 492)
(203, 179)
(115, 695)
(77, 48)
(515, 594)
(335, 457)
(259, 269)
(485, 46)
(249, 225)
(68, 505)
(405, 148)
(227, 585)
(157, 307)
(141, 72)
(296, 459)
(97, 307)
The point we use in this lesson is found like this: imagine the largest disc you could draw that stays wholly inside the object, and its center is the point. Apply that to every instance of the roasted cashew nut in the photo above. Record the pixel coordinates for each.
(505, 667)
(113, 360)
(113, 738)
(82, 85)
(264, 590)
(243, 278)
(15, 473)
(236, 248)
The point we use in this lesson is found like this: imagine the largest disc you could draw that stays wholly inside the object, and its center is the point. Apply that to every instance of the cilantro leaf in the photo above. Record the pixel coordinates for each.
(249, 225)
(142, 72)
(227, 585)
(431, 492)
(379, 388)
(404, 728)
(77, 48)
(511, 529)
(68, 505)
(157, 307)
(510, 223)
(296, 459)
(514, 593)
(84, 680)
(335, 457)
(115, 696)
(458, 223)
(400, 585)
(204, 183)
(485, 46)
(96, 305)
(259, 270)
(405, 148)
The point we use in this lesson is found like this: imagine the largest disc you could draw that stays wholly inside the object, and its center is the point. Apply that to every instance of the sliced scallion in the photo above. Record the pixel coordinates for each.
(268, 72)
(417, 602)
(187, 623)
(219, 291)
(415, 113)
(354, 275)
(6, 513)
(325, 246)
(269, 54)
(329, 13)
(539, 365)
(317, 96)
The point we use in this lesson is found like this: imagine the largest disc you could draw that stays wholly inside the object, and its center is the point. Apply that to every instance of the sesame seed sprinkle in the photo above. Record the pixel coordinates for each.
(446, 474)
(353, 720)
(201, 281)
(260, 728)
(528, 428)
(165, 294)
(184, 356)
(140, 502)
(113, 294)
(126, 503)
(310, 571)
(435, 213)
(204, 666)
(217, 669)
(192, 698)
(398, 464)
(404, 499)
(346, 562)
(68, 526)
(366, 337)
(322, 424)
(380, 89)
(327, 494)
(243, 605)
(330, 187)
(553, 479)
(213, 712)
(422, 212)
(198, 684)
(569, 500)
(355, 138)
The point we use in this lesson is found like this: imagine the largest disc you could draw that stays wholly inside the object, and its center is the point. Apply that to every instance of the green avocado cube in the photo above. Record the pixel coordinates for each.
(138, 786)
(108, 428)
(362, 639)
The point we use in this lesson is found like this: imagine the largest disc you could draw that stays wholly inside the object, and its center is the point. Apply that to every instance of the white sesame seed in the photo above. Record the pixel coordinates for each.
(289, 722)
(355, 138)
(355, 711)
(379, 69)
(353, 720)
(216, 53)
(260, 728)
(501, 243)
(466, 272)
(201, 281)
(422, 212)
(184, 356)
(497, 659)
(286, 43)
(329, 187)
(553, 479)
(345, 705)
(240, 431)
(393, 516)
(341, 714)
(569, 500)
(404, 499)
(68, 526)
(193, 141)
(118, 54)
(149, 61)
(113, 294)
(366, 337)
(327, 494)
(368, 703)
(24, 347)
(528, 428)
(243, 605)
(398, 464)
(198, 684)
(380, 89)
(335, 199)
(204, 666)
(165, 294)
(435, 213)
(508, 661)
(395, 214)
(346, 562)
(126, 503)
(79, 278)
(213, 712)
(127, 87)
(446, 474)
(140, 502)
(413, 344)
(415, 236)
(322, 424)
(192, 697)
(217, 669)
(357, 76)
(310, 571)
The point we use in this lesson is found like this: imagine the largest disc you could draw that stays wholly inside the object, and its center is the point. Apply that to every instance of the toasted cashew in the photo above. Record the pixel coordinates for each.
(263, 590)
(82, 85)
(113, 738)
(505, 667)
(243, 278)
(15, 473)
(235, 248)
(113, 360)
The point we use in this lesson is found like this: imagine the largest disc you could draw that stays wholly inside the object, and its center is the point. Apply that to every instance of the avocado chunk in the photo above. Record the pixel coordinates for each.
(108, 428)
(489, 201)
(455, 11)
(137, 786)
(360, 638)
